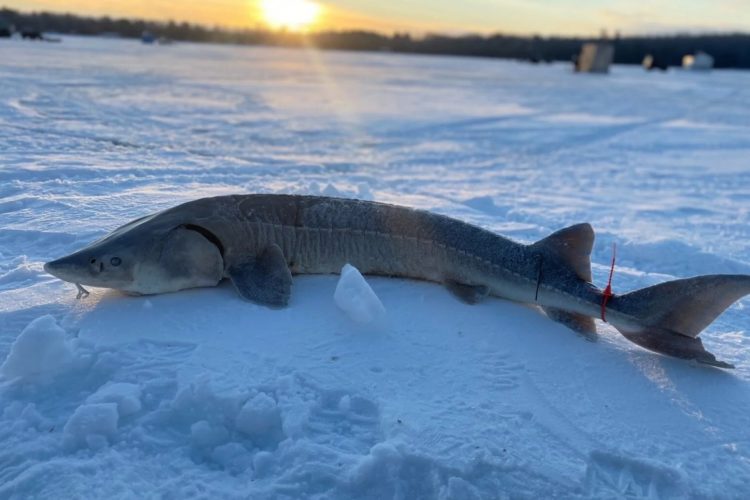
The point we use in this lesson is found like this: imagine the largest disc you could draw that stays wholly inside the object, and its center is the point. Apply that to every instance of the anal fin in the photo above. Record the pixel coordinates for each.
(264, 279)
(579, 323)
(470, 294)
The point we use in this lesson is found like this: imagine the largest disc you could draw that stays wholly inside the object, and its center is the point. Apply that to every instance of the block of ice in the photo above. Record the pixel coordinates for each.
(354, 296)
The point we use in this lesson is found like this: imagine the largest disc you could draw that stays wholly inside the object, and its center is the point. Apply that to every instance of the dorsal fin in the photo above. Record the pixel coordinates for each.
(573, 246)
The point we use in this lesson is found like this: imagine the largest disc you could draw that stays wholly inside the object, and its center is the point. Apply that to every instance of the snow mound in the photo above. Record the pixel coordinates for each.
(233, 457)
(126, 396)
(92, 425)
(612, 475)
(356, 298)
(205, 435)
(260, 419)
(40, 350)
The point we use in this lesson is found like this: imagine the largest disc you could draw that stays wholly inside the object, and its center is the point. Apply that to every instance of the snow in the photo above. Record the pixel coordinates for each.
(41, 349)
(126, 396)
(355, 297)
(92, 425)
(260, 420)
(200, 394)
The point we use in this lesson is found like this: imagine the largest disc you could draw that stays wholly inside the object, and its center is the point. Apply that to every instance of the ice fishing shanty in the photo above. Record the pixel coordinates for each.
(595, 57)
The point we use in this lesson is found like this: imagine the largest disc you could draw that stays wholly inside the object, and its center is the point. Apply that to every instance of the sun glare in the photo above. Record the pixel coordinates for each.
(290, 14)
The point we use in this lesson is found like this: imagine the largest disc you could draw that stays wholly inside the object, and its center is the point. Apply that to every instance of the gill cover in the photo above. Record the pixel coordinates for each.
(187, 259)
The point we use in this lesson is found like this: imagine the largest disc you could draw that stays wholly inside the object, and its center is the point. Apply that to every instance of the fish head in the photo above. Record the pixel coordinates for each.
(146, 256)
(98, 265)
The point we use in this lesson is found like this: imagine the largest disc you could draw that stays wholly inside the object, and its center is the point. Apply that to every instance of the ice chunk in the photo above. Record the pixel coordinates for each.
(260, 419)
(345, 403)
(126, 396)
(378, 466)
(90, 424)
(19, 416)
(262, 463)
(330, 190)
(96, 442)
(233, 457)
(459, 489)
(40, 349)
(354, 296)
(205, 435)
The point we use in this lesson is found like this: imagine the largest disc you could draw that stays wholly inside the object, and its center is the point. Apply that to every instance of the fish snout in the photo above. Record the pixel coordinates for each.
(68, 268)
(53, 267)
(56, 268)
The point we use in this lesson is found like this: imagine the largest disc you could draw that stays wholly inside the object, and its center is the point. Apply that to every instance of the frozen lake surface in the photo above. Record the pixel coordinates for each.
(199, 394)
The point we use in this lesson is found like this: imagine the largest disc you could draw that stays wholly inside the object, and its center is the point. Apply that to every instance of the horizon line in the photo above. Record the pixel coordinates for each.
(417, 34)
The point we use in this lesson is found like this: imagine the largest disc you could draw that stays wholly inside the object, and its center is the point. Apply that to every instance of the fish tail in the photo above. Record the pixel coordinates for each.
(667, 318)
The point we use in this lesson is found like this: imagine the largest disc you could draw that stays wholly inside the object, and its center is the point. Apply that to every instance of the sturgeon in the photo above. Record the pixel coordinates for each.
(258, 241)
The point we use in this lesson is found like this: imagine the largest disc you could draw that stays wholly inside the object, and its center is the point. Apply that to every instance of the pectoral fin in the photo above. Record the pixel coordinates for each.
(471, 294)
(577, 322)
(264, 279)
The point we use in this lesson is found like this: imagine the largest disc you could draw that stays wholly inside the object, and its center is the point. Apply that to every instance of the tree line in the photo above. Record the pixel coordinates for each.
(728, 50)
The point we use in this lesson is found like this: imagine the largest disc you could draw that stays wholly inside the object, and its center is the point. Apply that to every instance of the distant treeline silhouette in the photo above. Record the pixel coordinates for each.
(728, 50)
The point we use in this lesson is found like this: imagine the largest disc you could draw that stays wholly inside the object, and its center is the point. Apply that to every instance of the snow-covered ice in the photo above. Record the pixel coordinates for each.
(200, 394)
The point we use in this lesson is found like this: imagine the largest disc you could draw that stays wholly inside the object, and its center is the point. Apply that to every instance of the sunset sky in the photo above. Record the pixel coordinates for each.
(419, 16)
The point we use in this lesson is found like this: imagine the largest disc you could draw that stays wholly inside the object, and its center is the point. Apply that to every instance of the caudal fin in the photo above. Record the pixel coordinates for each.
(668, 317)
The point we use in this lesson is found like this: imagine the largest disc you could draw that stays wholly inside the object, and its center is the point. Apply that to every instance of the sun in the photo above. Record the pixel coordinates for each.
(290, 14)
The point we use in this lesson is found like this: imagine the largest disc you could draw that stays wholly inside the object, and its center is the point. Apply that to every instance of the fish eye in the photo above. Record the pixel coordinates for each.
(115, 261)
(92, 261)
